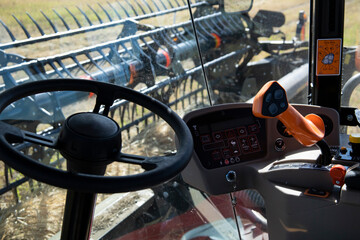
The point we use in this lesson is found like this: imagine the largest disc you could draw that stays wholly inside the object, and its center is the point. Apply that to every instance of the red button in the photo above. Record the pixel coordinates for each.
(337, 173)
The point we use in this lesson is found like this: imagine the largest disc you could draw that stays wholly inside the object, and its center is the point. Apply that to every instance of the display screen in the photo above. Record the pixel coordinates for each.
(228, 137)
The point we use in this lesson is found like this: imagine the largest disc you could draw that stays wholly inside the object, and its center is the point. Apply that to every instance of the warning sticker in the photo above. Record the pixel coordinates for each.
(328, 57)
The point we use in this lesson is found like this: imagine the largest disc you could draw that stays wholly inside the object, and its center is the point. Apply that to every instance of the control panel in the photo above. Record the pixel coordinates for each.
(228, 137)
(232, 147)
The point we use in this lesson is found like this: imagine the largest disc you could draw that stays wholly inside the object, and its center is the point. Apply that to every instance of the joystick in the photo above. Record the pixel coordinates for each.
(271, 102)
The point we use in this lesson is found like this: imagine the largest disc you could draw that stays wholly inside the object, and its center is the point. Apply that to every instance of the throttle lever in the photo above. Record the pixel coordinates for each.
(271, 102)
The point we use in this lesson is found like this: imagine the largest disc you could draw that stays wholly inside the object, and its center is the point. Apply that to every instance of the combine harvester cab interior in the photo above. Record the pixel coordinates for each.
(179, 119)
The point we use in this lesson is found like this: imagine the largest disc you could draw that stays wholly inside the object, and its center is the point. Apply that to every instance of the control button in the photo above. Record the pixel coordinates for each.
(337, 173)
(268, 98)
(218, 136)
(235, 151)
(254, 128)
(233, 143)
(242, 131)
(343, 150)
(273, 109)
(230, 133)
(237, 159)
(232, 160)
(205, 138)
(245, 145)
(216, 155)
(226, 153)
(231, 176)
(278, 94)
(195, 129)
(280, 145)
(226, 162)
(254, 143)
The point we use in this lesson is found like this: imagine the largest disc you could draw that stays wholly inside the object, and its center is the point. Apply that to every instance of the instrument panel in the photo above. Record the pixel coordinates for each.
(228, 137)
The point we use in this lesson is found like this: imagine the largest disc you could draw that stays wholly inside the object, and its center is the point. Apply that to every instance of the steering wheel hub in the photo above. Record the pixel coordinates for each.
(91, 138)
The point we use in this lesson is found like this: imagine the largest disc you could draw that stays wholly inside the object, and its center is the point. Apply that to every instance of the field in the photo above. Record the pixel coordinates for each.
(37, 214)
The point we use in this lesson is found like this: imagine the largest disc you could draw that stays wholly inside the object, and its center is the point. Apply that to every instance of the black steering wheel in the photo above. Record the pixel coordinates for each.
(92, 139)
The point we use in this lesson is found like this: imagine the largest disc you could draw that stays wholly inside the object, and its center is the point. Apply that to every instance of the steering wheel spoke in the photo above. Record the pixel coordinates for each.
(104, 100)
(39, 139)
(146, 163)
(16, 135)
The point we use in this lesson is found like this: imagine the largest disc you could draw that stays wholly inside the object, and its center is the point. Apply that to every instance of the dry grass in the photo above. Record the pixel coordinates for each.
(41, 212)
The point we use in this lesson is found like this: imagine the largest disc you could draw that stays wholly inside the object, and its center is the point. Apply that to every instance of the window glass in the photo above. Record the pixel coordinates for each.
(148, 46)
(249, 48)
(351, 58)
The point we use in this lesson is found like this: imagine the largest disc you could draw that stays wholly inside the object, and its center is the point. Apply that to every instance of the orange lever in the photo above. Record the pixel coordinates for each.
(271, 101)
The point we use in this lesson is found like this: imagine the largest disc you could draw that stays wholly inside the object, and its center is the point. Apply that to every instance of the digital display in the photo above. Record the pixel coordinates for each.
(228, 137)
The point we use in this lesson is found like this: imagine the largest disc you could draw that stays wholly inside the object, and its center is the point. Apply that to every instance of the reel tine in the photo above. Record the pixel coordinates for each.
(115, 11)
(212, 30)
(124, 9)
(170, 4)
(49, 21)
(148, 6)
(177, 3)
(132, 8)
(52, 65)
(87, 54)
(214, 26)
(62, 20)
(236, 22)
(117, 67)
(8, 31)
(178, 34)
(84, 14)
(64, 68)
(74, 17)
(141, 8)
(106, 12)
(22, 26)
(163, 4)
(147, 45)
(231, 27)
(157, 7)
(96, 14)
(81, 66)
(36, 24)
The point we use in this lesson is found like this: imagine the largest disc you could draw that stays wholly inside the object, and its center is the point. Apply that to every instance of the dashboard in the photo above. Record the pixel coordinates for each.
(229, 139)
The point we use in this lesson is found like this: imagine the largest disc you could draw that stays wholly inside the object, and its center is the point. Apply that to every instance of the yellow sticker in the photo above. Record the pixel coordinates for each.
(328, 60)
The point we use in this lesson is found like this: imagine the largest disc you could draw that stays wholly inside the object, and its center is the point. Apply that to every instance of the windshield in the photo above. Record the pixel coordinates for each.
(186, 54)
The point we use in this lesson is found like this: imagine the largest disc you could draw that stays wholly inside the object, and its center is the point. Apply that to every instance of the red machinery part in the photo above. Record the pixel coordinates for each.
(337, 174)
(217, 40)
(166, 55)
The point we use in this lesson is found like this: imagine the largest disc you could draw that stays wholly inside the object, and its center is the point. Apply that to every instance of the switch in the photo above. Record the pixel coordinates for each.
(337, 174)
